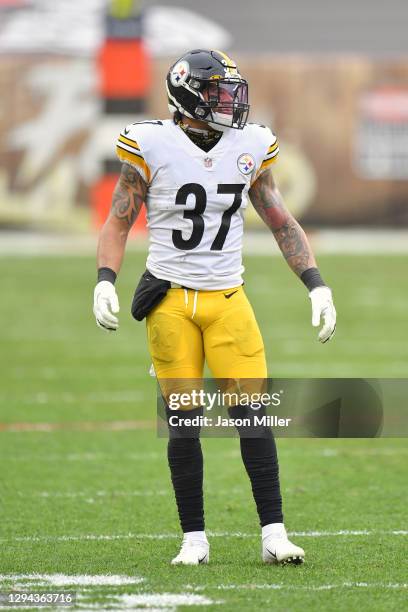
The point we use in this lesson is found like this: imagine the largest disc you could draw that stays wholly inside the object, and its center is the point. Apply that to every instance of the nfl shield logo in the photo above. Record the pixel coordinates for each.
(208, 162)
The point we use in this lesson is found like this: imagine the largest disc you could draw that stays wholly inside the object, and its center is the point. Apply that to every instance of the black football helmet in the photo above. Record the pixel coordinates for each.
(206, 85)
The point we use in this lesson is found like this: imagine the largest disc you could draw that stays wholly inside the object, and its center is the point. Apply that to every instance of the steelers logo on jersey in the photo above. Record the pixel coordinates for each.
(179, 73)
(246, 163)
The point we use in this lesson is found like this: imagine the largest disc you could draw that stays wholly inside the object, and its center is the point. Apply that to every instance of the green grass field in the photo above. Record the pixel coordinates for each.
(84, 496)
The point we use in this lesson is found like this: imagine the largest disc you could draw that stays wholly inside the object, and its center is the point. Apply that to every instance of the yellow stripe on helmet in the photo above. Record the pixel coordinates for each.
(230, 62)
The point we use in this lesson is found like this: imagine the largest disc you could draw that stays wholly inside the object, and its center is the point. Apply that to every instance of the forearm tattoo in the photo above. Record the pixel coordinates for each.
(128, 195)
(291, 238)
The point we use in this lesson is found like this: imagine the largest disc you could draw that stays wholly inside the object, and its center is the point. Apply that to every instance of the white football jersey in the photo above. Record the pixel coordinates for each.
(196, 200)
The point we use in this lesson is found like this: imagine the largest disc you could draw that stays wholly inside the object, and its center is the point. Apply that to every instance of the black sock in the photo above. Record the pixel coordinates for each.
(261, 463)
(186, 467)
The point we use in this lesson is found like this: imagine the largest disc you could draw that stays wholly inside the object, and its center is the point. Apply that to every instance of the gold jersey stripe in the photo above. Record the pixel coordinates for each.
(129, 142)
(264, 166)
(272, 148)
(270, 155)
(131, 152)
(135, 159)
(268, 162)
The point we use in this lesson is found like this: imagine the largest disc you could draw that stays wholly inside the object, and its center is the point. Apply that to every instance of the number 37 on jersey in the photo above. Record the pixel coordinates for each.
(195, 199)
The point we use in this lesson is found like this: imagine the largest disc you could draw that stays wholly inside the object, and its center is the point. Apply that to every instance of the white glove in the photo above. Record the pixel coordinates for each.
(106, 305)
(322, 306)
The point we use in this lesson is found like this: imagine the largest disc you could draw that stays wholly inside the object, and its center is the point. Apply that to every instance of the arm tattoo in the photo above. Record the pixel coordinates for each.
(291, 238)
(128, 196)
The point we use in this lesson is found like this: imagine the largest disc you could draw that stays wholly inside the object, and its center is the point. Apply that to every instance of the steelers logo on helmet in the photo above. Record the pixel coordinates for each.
(179, 73)
(205, 85)
(246, 163)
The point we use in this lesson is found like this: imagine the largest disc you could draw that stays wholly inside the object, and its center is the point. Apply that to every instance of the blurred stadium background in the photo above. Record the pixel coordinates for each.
(331, 83)
(78, 451)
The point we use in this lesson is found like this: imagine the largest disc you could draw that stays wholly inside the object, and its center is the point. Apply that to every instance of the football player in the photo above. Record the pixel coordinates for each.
(195, 173)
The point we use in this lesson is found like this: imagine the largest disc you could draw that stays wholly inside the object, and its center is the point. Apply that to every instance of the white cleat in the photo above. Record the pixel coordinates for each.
(280, 550)
(192, 553)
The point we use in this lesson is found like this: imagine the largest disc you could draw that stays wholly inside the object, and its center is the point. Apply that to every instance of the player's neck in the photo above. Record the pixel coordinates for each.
(200, 133)
(196, 124)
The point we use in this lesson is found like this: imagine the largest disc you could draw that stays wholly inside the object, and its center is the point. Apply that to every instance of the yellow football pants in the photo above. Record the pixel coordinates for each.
(189, 327)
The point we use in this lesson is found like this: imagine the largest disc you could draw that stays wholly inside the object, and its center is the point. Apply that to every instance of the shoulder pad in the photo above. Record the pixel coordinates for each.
(132, 143)
(269, 142)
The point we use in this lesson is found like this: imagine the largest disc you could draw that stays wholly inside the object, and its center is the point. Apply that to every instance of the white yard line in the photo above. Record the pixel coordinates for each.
(117, 397)
(212, 534)
(95, 494)
(100, 494)
(151, 601)
(319, 587)
(60, 580)
(159, 600)
(343, 452)
(164, 601)
(87, 456)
